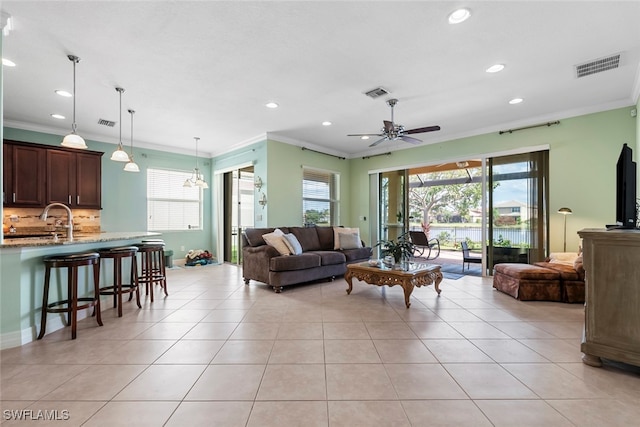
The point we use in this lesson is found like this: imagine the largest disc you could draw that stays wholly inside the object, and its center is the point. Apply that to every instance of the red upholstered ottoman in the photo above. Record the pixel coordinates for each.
(527, 282)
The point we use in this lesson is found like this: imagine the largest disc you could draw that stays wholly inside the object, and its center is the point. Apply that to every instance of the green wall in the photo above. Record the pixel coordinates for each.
(582, 156)
(284, 180)
(124, 204)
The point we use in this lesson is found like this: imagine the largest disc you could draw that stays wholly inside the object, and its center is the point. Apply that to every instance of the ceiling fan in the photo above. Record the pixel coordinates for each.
(393, 132)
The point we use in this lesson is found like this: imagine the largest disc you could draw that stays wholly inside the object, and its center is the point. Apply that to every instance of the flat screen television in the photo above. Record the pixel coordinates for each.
(626, 189)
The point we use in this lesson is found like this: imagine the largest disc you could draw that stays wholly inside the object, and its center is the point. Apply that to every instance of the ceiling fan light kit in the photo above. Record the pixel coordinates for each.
(392, 131)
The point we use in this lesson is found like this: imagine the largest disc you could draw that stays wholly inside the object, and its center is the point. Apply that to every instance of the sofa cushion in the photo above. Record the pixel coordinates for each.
(254, 235)
(358, 254)
(308, 238)
(294, 262)
(292, 243)
(567, 272)
(330, 257)
(325, 236)
(526, 271)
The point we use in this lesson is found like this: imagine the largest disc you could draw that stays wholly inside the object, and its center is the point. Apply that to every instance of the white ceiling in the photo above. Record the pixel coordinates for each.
(206, 68)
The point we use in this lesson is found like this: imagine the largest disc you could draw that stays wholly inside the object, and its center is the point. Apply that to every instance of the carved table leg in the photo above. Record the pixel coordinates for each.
(437, 282)
(348, 276)
(407, 286)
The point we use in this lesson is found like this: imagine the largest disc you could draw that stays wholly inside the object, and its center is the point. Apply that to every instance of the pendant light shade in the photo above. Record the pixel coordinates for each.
(197, 179)
(73, 140)
(131, 166)
(120, 155)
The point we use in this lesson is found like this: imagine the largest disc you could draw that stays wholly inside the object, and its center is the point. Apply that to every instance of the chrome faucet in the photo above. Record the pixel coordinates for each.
(43, 216)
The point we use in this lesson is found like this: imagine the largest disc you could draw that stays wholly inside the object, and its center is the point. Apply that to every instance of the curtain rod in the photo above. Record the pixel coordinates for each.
(320, 152)
(557, 122)
(376, 155)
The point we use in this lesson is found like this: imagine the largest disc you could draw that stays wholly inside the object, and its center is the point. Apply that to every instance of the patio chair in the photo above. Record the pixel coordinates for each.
(423, 245)
(467, 257)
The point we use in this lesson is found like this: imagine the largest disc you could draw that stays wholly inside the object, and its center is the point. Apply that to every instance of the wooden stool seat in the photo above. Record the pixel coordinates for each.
(72, 262)
(152, 270)
(119, 288)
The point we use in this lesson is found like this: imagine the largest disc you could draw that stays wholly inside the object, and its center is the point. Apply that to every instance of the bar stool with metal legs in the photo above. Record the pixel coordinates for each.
(72, 262)
(118, 255)
(152, 268)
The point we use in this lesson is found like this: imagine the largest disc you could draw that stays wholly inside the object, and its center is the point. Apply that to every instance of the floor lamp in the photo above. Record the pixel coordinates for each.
(565, 212)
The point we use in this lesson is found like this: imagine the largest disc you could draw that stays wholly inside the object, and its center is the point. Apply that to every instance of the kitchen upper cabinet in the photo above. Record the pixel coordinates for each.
(24, 171)
(35, 175)
(74, 178)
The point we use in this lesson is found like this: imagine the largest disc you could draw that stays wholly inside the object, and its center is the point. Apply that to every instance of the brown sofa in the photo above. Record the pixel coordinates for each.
(552, 280)
(318, 260)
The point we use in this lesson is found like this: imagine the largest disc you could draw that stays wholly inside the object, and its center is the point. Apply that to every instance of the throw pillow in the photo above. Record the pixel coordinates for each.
(566, 258)
(344, 230)
(276, 239)
(292, 243)
(349, 240)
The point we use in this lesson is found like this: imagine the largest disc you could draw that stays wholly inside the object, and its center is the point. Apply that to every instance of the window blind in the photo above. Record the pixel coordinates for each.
(170, 206)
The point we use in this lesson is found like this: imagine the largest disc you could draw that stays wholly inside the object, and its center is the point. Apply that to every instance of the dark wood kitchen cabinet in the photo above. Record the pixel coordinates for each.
(23, 173)
(74, 178)
(35, 175)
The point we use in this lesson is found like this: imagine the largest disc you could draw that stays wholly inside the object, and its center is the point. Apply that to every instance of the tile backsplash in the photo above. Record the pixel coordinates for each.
(27, 220)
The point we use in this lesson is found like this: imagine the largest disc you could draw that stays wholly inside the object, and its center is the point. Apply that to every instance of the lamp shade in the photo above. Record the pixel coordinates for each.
(565, 211)
(73, 141)
(131, 167)
(120, 155)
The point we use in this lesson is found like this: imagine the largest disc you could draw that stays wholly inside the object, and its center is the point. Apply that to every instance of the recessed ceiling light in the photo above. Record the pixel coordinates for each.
(58, 116)
(364, 137)
(496, 68)
(271, 105)
(64, 93)
(459, 15)
(326, 123)
(8, 63)
(516, 101)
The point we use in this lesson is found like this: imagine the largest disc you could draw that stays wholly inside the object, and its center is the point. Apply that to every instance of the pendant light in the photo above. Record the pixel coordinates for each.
(131, 166)
(120, 155)
(197, 179)
(73, 140)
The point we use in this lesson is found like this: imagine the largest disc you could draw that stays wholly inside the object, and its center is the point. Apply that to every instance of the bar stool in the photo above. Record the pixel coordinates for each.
(118, 289)
(72, 262)
(152, 268)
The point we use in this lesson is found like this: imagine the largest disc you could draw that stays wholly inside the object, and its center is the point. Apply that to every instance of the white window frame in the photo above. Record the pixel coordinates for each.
(333, 179)
(160, 201)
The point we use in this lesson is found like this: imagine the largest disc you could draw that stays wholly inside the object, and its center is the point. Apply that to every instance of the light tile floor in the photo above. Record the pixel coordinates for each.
(218, 353)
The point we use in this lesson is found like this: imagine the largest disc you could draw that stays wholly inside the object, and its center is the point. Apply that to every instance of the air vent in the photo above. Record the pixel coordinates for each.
(104, 122)
(377, 92)
(598, 65)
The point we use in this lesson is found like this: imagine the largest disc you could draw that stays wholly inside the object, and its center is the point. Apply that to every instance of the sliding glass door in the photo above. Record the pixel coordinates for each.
(517, 213)
(238, 211)
(393, 204)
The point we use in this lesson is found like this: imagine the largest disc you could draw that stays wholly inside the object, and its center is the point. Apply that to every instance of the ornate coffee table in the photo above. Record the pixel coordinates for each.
(415, 274)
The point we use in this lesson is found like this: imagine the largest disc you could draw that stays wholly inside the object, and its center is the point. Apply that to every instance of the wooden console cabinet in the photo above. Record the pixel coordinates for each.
(612, 300)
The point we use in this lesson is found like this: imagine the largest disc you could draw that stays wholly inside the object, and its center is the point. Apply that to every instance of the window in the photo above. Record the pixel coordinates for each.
(515, 209)
(170, 206)
(320, 197)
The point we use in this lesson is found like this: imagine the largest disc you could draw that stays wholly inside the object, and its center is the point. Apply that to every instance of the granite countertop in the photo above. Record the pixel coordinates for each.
(77, 239)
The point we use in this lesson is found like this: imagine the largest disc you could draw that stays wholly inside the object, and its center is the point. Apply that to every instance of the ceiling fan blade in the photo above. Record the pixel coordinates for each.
(365, 134)
(411, 140)
(378, 142)
(423, 130)
(388, 126)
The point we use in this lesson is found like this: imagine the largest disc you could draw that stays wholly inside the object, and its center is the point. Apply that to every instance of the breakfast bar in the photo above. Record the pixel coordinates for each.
(22, 282)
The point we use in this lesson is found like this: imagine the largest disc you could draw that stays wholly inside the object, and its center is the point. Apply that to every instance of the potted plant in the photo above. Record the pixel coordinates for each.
(400, 248)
